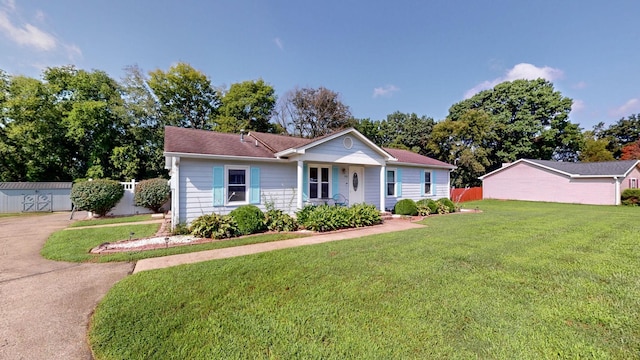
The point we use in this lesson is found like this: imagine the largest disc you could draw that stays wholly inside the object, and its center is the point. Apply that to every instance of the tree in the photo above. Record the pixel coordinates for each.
(595, 149)
(399, 130)
(312, 113)
(631, 151)
(247, 105)
(185, 96)
(624, 131)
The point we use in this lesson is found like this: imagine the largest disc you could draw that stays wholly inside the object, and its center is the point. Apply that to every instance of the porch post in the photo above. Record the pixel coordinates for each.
(299, 185)
(383, 186)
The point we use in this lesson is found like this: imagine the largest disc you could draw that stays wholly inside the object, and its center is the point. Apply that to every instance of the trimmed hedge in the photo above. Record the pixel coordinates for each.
(405, 207)
(152, 193)
(98, 196)
(249, 218)
(630, 197)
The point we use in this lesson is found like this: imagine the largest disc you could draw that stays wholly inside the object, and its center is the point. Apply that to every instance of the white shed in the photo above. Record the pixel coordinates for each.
(18, 197)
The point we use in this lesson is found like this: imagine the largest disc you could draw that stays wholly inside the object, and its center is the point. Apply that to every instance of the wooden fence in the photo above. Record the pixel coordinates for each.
(466, 194)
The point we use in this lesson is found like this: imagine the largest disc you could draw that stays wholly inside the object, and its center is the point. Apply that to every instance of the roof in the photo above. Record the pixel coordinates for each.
(270, 146)
(409, 157)
(579, 169)
(35, 185)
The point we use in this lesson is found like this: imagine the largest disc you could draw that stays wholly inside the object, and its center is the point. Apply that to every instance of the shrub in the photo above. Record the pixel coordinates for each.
(249, 218)
(98, 196)
(406, 207)
(630, 197)
(423, 207)
(152, 193)
(364, 215)
(303, 214)
(214, 226)
(451, 207)
(327, 218)
(180, 229)
(276, 220)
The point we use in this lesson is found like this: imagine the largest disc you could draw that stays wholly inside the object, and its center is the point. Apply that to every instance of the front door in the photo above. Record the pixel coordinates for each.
(356, 185)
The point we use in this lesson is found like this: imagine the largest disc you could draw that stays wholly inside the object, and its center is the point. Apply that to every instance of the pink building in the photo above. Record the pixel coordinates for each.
(599, 183)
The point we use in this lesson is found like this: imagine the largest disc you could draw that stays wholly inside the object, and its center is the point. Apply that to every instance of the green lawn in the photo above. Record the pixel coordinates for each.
(517, 281)
(113, 220)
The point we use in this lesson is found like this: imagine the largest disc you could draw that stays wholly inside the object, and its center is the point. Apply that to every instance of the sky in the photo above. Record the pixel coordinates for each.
(380, 56)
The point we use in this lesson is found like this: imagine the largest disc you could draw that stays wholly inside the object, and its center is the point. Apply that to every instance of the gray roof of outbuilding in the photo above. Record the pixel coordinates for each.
(607, 168)
(35, 185)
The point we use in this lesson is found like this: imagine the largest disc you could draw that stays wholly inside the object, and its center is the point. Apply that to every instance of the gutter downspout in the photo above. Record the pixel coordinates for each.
(617, 199)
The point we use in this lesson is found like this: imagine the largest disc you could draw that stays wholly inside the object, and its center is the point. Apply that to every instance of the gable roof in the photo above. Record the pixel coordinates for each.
(409, 157)
(182, 141)
(578, 169)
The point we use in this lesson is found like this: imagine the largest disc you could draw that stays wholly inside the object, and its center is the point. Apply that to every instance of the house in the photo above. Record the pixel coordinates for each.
(599, 183)
(35, 196)
(217, 172)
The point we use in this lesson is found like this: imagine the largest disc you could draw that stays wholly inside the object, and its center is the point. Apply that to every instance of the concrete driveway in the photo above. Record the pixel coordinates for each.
(45, 305)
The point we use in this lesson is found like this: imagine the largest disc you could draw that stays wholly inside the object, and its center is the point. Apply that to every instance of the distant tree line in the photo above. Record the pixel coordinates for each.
(73, 123)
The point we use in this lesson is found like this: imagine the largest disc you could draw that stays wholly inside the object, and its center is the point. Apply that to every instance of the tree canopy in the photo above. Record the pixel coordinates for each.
(247, 105)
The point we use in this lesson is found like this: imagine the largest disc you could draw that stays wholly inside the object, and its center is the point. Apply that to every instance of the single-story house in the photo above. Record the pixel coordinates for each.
(599, 183)
(35, 196)
(217, 172)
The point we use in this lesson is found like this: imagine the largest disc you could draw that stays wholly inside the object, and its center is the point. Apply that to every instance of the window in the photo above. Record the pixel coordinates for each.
(318, 182)
(633, 183)
(237, 184)
(391, 183)
(427, 182)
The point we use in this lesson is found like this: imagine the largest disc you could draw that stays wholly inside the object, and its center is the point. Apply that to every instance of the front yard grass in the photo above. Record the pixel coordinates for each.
(113, 220)
(517, 281)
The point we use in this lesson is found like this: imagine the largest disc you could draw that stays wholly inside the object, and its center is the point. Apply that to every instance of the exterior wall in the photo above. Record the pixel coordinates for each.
(412, 185)
(334, 151)
(372, 185)
(11, 201)
(526, 182)
(634, 174)
(277, 185)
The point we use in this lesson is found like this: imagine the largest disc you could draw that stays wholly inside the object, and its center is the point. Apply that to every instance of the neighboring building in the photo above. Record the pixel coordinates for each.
(599, 183)
(18, 197)
(217, 172)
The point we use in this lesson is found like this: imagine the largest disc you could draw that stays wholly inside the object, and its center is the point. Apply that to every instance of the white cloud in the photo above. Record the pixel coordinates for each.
(577, 106)
(9, 4)
(520, 71)
(27, 35)
(580, 85)
(628, 108)
(385, 91)
(279, 43)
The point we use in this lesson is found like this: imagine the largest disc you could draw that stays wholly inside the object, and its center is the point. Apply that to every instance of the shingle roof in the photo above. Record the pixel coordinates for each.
(192, 141)
(405, 156)
(35, 185)
(607, 168)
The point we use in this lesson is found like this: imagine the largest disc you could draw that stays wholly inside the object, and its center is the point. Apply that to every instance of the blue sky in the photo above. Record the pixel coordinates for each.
(381, 56)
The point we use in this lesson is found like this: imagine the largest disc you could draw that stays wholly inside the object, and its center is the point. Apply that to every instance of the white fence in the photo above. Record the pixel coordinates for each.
(126, 205)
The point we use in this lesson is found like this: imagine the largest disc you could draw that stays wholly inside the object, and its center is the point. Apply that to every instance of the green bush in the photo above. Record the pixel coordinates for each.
(328, 218)
(152, 193)
(630, 197)
(180, 229)
(406, 207)
(98, 196)
(449, 204)
(364, 215)
(276, 220)
(423, 207)
(249, 218)
(214, 226)
(302, 215)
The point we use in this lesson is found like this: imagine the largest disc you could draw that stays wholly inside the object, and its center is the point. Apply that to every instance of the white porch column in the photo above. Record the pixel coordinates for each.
(175, 191)
(299, 185)
(383, 187)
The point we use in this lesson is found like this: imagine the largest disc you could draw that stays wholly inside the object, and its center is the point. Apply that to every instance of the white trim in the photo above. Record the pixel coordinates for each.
(175, 191)
(383, 187)
(299, 184)
(223, 157)
(247, 182)
(395, 182)
(432, 186)
(397, 163)
(559, 171)
(319, 166)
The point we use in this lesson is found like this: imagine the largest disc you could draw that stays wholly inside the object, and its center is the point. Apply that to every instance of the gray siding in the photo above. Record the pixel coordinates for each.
(277, 185)
(334, 151)
(11, 201)
(412, 186)
(372, 186)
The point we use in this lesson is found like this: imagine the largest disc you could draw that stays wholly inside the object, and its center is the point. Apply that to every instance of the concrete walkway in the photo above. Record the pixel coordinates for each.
(174, 260)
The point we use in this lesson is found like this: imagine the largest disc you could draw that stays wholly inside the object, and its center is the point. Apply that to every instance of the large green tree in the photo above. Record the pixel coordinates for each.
(399, 130)
(247, 105)
(595, 149)
(185, 96)
(623, 132)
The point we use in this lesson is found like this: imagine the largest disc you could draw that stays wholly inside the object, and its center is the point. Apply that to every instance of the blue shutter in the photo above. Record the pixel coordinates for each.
(218, 186)
(433, 183)
(422, 192)
(334, 181)
(305, 182)
(399, 182)
(254, 190)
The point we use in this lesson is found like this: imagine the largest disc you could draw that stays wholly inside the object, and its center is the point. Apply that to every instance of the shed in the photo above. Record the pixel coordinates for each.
(598, 183)
(18, 197)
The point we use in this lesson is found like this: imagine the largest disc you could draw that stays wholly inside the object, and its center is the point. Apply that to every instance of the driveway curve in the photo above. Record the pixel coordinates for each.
(45, 305)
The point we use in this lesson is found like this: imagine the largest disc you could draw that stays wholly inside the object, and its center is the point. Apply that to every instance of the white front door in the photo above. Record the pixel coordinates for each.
(356, 185)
